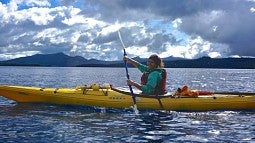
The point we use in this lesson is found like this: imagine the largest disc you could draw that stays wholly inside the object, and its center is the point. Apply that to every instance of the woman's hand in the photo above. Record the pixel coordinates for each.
(133, 62)
(130, 82)
(126, 58)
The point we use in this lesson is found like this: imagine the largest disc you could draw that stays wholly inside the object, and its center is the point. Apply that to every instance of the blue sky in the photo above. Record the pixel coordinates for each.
(179, 28)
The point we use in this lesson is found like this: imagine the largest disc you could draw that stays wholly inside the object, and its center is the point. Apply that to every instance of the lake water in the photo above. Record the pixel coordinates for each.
(55, 123)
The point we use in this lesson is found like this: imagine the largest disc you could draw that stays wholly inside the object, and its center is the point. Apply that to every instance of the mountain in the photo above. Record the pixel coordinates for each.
(62, 60)
(58, 59)
(207, 62)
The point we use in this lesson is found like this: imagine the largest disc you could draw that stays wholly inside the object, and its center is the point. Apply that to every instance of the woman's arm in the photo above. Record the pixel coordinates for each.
(133, 62)
(135, 84)
(150, 85)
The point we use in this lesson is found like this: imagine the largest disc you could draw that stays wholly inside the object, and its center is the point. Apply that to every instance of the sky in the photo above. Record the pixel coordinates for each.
(89, 28)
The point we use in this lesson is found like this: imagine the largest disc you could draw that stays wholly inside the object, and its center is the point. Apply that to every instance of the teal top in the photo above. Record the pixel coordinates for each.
(153, 79)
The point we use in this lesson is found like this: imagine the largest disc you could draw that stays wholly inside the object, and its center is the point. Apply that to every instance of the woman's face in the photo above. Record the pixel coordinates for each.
(151, 64)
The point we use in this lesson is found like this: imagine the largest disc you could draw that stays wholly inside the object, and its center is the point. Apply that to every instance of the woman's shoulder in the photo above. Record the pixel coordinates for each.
(156, 72)
(159, 70)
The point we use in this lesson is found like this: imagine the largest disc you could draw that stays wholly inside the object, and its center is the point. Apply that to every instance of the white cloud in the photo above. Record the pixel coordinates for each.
(12, 6)
(37, 43)
(36, 2)
(252, 9)
(74, 49)
(195, 48)
(138, 51)
(176, 22)
(40, 16)
(11, 13)
(175, 51)
(214, 55)
(75, 36)
(110, 29)
(74, 20)
(49, 32)
(214, 28)
(52, 35)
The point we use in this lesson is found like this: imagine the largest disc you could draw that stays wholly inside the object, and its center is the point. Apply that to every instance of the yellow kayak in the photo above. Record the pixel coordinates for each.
(116, 98)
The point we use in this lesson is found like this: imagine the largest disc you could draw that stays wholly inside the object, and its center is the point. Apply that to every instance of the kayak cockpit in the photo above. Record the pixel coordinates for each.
(138, 93)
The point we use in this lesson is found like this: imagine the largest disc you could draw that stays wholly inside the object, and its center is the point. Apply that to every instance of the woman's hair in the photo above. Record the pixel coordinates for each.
(158, 61)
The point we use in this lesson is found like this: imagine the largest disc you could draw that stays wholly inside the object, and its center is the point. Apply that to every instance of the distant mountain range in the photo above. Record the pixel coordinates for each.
(62, 60)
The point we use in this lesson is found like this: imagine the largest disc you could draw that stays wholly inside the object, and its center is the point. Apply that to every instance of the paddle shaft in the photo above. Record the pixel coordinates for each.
(125, 62)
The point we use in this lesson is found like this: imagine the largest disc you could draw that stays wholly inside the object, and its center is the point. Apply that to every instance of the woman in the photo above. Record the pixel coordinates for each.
(153, 80)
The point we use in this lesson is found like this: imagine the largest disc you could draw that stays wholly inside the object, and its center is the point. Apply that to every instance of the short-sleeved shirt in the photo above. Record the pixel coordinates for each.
(153, 79)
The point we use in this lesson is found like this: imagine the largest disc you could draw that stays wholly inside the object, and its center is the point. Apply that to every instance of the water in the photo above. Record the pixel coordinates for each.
(55, 123)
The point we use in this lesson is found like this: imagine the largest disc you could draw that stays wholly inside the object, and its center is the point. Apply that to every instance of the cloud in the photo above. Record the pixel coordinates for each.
(222, 22)
(181, 28)
(226, 26)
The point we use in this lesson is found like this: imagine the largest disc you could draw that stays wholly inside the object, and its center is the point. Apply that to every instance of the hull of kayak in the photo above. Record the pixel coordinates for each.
(115, 99)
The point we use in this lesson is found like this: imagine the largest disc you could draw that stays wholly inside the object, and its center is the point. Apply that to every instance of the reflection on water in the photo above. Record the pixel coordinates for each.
(54, 123)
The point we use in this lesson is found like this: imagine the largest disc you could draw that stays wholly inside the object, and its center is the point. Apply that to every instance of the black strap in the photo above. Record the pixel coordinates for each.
(160, 103)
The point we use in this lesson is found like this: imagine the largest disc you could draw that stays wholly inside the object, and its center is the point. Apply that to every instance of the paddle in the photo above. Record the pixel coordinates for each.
(130, 87)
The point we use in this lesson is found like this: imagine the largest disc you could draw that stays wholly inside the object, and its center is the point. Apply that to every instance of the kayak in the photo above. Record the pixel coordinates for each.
(110, 97)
